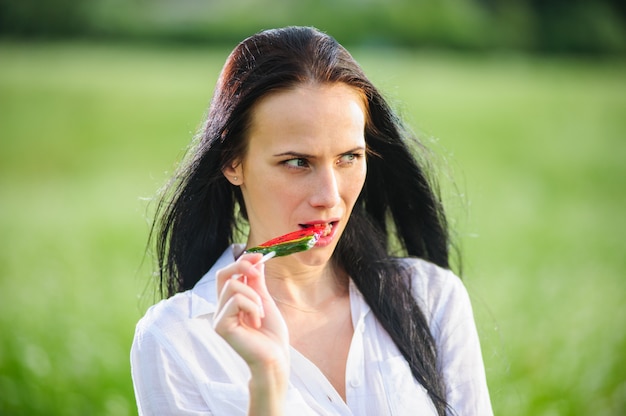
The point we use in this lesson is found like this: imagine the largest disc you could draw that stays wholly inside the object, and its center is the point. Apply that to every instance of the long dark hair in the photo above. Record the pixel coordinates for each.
(398, 210)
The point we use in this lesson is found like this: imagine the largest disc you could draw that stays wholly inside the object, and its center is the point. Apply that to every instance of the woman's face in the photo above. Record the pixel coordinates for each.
(305, 163)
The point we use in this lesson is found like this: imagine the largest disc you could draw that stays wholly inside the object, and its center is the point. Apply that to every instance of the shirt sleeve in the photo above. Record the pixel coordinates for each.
(459, 350)
(163, 384)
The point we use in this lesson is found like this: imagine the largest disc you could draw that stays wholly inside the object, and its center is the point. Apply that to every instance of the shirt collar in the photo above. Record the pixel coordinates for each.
(204, 293)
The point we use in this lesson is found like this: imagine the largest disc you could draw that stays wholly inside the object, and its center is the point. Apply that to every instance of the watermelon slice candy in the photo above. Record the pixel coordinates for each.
(293, 242)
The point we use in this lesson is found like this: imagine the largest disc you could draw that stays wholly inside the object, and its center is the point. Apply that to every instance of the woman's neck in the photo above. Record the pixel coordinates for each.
(308, 288)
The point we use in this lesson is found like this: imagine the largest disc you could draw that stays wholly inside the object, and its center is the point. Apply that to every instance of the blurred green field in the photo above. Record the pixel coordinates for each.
(533, 155)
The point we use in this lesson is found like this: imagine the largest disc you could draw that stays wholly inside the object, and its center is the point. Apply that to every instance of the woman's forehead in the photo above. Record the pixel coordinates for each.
(334, 111)
(305, 103)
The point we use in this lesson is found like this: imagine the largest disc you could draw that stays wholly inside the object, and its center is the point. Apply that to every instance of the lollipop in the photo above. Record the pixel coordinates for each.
(290, 243)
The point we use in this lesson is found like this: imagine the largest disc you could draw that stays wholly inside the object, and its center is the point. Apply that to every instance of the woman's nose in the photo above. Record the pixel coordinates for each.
(325, 189)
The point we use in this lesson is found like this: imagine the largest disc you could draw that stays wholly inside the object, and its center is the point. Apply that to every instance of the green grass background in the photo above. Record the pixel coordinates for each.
(532, 152)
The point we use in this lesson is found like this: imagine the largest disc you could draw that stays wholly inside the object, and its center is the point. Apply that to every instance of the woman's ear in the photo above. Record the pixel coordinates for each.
(234, 173)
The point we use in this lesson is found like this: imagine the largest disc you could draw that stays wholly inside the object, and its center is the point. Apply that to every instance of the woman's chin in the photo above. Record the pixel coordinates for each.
(317, 256)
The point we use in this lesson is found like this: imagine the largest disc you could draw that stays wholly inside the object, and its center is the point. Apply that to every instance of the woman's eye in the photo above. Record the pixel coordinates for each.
(296, 163)
(349, 158)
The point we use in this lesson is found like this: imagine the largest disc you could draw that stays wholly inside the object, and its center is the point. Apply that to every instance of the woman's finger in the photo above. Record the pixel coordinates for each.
(257, 282)
(244, 266)
(232, 287)
(237, 311)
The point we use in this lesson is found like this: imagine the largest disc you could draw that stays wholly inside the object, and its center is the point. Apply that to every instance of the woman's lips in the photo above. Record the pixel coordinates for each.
(329, 231)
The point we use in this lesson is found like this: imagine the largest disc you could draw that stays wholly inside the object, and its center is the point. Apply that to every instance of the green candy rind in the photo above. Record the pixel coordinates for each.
(289, 247)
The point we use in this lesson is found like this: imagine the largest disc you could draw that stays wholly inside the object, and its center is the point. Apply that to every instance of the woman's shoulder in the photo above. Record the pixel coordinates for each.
(437, 289)
(166, 313)
(431, 276)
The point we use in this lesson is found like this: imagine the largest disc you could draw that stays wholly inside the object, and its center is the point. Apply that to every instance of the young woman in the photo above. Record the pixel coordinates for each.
(297, 136)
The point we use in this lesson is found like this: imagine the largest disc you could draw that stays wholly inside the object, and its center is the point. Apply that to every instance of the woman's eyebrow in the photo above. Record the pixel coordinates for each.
(356, 149)
(294, 154)
(309, 156)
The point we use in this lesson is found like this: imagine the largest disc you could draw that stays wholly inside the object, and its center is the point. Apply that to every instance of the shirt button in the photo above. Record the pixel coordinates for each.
(355, 382)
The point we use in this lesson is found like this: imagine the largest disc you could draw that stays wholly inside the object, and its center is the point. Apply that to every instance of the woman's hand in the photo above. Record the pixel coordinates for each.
(248, 319)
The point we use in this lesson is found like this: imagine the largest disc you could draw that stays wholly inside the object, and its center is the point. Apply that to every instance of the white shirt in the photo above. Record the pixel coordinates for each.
(181, 366)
